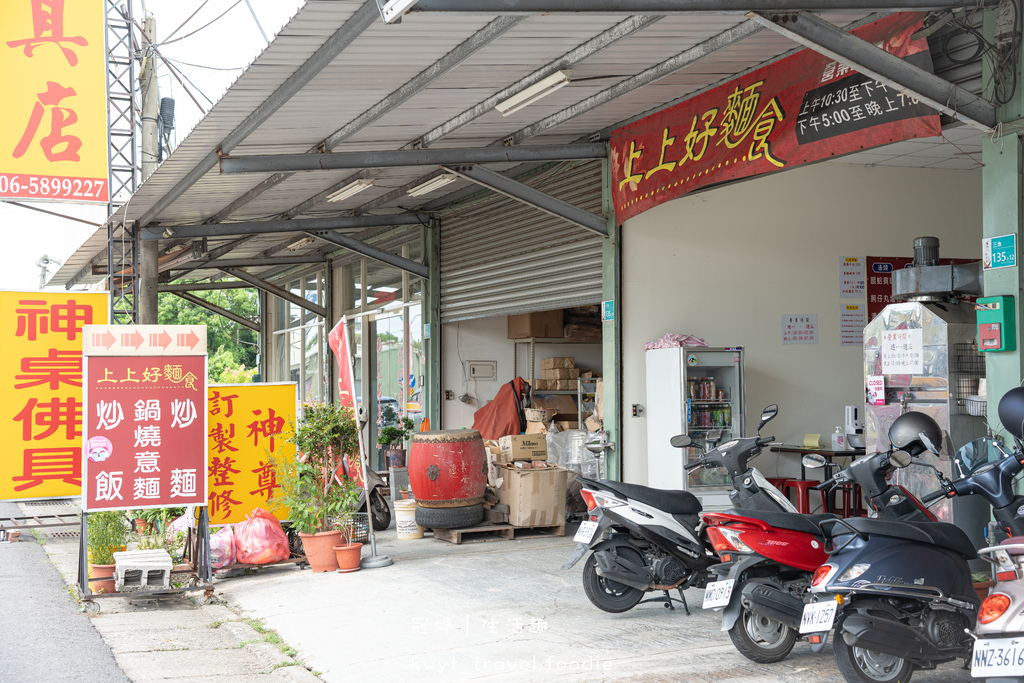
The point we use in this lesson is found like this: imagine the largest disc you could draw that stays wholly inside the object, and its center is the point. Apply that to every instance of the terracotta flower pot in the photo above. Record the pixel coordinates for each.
(319, 550)
(981, 587)
(142, 526)
(105, 572)
(396, 457)
(348, 556)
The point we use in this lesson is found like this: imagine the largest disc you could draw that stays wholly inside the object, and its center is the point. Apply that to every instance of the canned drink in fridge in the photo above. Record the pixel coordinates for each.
(720, 395)
(727, 415)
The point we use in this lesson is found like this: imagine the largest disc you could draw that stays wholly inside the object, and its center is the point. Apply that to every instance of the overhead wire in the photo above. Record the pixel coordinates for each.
(206, 25)
(182, 24)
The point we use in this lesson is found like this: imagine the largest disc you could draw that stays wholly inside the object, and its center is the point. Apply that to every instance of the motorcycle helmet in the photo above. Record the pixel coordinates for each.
(1011, 411)
(905, 433)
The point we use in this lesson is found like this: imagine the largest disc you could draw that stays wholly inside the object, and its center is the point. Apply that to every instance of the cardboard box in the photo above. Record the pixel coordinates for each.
(523, 447)
(535, 497)
(566, 384)
(566, 425)
(540, 384)
(535, 427)
(557, 362)
(542, 324)
(560, 373)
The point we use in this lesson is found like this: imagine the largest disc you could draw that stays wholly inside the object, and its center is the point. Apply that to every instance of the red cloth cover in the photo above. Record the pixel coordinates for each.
(503, 415)
(260, 539)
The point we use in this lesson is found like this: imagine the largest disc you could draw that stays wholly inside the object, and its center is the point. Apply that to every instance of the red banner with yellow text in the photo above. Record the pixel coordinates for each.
(804, 108)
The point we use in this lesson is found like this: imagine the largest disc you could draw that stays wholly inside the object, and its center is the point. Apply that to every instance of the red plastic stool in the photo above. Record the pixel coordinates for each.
(850, 505)
(803, 487)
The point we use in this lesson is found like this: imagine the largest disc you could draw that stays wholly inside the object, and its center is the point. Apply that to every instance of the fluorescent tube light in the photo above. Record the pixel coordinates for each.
(391, 12)
(349, 190)
(299, 244)
(432, 184)
(527, 96)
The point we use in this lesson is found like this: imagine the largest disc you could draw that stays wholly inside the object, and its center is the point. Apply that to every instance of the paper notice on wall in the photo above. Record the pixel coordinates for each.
(851, 277)
(800, 329)
(902, 352)
(876, 390)
(851, 324)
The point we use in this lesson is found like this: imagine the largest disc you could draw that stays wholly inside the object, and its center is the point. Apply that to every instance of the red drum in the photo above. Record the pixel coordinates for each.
(448, 469)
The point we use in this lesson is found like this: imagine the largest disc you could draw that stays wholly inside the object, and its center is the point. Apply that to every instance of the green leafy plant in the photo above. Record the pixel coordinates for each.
(394, 435)
(316, 498)
(108, 534)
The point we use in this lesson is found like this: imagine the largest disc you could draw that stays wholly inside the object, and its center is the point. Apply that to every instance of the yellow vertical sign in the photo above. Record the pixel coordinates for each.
(53, 123)
(41, 398)
(247, 423)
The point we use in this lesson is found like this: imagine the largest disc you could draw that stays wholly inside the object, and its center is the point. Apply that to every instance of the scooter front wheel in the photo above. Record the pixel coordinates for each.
(380, 511)
(858, 665)
(608, 595)
(760, 638)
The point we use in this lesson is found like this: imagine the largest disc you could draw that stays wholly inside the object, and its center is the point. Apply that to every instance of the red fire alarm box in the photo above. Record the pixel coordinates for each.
(996, 324)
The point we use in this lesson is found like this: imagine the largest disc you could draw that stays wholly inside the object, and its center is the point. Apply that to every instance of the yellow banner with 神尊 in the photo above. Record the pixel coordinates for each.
(53, 125)
(248, 424)
(41, 400)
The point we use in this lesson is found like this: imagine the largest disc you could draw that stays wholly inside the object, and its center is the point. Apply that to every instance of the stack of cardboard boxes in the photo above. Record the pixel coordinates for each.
(531, 487)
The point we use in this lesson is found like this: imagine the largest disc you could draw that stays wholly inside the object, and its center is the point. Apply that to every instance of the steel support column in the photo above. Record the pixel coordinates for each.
(832, 41)
(372, 252)
(432, 331)
(611, 330)
(533, 197)
(261, 284)
(123, 273)
(224, 313)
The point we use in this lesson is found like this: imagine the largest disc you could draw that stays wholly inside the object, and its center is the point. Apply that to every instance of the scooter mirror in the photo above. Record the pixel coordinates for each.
(813, 461)
(900, 459)
(767, 414)
(681, 441)
(928, 443)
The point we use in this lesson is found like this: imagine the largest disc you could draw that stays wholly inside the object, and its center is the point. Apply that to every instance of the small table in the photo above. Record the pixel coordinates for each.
(827, 453)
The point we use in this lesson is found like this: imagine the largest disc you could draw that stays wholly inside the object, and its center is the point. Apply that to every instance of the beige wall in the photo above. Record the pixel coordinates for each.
(728, 263)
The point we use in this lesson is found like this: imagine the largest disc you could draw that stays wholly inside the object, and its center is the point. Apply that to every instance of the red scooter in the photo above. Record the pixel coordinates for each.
(768, 558)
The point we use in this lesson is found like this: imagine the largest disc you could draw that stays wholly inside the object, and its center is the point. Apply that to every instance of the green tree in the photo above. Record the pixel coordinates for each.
(239, 343)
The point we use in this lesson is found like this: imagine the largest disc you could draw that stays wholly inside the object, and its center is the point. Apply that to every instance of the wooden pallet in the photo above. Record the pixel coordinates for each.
(496, 532)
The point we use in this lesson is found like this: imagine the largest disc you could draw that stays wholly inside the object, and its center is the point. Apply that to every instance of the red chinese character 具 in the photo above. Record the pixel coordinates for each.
(53, 369)
(266, 480)
(60, 117)
(48, 27)
(51, 414)
(41, 464)
(221, 470)
(268, 428)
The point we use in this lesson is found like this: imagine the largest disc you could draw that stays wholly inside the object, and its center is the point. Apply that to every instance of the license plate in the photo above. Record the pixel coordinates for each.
(998, 657)
(586, 532)
(818, 616)
(717, 593)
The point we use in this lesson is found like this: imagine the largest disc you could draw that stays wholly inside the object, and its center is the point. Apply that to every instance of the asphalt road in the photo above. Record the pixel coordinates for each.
(45, 637)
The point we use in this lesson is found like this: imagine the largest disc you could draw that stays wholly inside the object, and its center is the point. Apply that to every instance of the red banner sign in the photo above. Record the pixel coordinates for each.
(145, 432)
(804, 108)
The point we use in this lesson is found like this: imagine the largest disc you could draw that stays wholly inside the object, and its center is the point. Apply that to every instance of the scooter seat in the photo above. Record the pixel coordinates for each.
(1014, 540)
(672, 502)
(792, 521)
(944, 535)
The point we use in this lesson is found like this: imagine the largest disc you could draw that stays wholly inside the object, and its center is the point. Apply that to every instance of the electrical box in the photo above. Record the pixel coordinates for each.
(996, 323)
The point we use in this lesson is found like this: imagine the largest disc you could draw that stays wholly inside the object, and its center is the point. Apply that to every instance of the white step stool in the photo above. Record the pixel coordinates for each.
(140, 570)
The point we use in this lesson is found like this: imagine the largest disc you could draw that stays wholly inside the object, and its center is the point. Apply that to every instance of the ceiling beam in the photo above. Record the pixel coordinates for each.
(531, 196)
(192, 298)
(261, 284)
(203, 286)
(270, 261)
(361, 20)
(229, 229)
(834, 42)
(669, 7)
(373, 252)
(264, 163)
(211, 255)
(417, 84)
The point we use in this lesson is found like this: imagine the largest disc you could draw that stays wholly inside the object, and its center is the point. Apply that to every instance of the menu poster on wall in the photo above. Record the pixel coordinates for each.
(800, 329)
(902, 352)
(851, 277)
(851, 324)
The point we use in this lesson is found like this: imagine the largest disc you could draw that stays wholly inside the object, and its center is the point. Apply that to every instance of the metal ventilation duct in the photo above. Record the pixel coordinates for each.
(925, 280)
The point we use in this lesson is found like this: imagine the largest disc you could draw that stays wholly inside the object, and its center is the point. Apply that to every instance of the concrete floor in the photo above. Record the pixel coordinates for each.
(498, 611)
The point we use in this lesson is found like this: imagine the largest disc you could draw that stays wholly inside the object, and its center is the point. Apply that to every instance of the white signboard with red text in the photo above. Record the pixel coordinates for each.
(144, 419)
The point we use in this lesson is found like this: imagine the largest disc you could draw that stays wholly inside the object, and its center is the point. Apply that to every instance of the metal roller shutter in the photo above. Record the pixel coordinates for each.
(501, 257)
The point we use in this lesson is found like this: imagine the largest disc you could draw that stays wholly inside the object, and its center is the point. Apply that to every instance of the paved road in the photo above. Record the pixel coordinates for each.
(45, 637)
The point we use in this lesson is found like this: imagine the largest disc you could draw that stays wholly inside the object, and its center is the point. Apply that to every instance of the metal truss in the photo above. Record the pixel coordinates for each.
(123, 273)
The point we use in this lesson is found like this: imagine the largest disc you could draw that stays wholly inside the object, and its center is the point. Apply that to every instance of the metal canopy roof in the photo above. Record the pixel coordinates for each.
(337, 79)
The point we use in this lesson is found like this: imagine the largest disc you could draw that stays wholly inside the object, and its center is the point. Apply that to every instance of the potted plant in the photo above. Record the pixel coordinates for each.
(108, 534)
(352, 525)
(391, 438)
(313, 486)
(982, 583)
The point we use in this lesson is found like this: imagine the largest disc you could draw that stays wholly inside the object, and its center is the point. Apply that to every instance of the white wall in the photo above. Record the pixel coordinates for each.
(487, 339)
(727, 264)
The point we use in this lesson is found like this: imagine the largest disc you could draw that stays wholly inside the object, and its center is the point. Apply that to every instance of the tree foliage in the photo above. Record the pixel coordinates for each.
(237, 345)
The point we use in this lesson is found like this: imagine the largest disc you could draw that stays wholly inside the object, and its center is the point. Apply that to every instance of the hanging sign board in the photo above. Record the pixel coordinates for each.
(902, 352)
(800, 109)
(41, 366)
(144, 428)
(53, 125)
(248, 425)
(999, 252)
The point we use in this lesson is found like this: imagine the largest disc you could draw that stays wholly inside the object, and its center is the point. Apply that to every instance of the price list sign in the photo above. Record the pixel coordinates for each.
(144, 417)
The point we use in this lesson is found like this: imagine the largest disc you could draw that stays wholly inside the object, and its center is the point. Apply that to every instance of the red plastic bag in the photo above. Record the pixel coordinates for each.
(222, 548)
(260, 539)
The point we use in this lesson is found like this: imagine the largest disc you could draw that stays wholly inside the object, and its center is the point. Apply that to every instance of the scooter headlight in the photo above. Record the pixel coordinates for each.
(853, 572)
(993, 607)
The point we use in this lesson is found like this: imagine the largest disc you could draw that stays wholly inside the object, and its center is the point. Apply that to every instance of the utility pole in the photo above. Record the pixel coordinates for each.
(148, 249)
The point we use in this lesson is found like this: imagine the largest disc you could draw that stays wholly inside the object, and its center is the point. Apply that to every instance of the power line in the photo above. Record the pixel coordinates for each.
(236, 4)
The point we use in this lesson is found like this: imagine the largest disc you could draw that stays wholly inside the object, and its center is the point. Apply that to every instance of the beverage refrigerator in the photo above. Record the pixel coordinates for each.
(692, 390)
